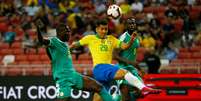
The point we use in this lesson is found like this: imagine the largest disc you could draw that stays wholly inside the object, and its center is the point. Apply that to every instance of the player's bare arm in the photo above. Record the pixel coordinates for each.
(75, 44)
(40, 25)
(117, 56)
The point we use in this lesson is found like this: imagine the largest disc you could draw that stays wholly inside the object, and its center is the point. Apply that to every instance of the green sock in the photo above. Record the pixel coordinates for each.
(105, 95)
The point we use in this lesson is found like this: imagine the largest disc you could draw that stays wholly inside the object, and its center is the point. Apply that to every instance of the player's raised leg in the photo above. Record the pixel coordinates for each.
(134, 81)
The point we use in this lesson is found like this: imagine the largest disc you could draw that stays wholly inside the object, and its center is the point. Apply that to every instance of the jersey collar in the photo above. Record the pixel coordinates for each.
(100, 37)
(128, 33)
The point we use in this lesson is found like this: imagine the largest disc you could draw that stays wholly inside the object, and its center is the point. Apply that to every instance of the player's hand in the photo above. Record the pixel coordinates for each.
(39, 23)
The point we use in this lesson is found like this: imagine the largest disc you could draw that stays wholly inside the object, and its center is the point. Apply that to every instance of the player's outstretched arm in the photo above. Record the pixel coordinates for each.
(40, 25)
(125, 46)
(116, 55)
(75, 44)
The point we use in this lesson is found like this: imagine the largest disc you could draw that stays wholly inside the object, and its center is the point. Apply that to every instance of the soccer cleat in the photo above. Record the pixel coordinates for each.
(147, 90)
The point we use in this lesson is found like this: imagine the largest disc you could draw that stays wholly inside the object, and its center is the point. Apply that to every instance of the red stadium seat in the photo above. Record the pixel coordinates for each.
(32, 51)
(85, 61)
(16, 45)
(42, 51)
(176, 61)
(194, 15)
(160, 16)
(161, 9)
(141, 50)
(49, 71)
(196, 8)
(178, 25)
(1, 57)
(35, 71)
(13, 71)
(195, 49)
(33, 57)
(18, 51)
(152, 9)
(19, 32)
(169, 71)
(3, 18)
(21, 58)
(189, 60)
(73, 57)
(84, 56)
(32, 32)
(189, 71)
(6, 51)
(163, 21)
(3, 27)
(183, 50)
(196, 55)
(140, 57)
(36, 62)
(23, 62)
(184, 55)
(18, 38)
(4, 46)
(46, 62)
(76, 62)
(44, 57)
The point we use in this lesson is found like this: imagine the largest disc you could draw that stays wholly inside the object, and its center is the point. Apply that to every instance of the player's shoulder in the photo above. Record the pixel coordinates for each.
(53, 41)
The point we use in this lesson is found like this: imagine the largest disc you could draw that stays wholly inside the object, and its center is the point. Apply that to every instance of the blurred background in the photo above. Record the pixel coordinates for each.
(170, 30)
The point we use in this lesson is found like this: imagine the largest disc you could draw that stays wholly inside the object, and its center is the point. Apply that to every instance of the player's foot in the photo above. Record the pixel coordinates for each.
(147, 90)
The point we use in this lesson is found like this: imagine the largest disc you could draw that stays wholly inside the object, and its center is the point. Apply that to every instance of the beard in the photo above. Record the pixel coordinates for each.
(130, 31)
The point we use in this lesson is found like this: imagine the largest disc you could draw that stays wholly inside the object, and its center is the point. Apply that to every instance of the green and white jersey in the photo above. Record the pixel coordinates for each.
(130, 53)
(62, 66)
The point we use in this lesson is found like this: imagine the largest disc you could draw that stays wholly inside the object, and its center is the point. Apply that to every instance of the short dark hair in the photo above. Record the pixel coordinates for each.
(61, 28)
(131, 19)
(101, 22)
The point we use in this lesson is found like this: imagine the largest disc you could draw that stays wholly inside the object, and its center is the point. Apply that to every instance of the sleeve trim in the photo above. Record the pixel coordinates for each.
(120, 44)
(77, 43)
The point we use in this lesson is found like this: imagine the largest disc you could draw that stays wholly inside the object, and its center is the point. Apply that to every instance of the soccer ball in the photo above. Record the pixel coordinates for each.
(114, 11)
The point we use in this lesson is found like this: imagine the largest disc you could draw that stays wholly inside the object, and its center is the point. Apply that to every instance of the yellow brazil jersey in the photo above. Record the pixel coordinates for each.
(101, 49)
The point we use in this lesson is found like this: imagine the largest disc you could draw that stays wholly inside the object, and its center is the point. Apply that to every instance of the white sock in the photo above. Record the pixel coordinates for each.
(134, 81)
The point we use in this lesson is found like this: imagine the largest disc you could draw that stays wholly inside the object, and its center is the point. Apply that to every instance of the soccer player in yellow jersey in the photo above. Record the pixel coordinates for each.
(101, 47)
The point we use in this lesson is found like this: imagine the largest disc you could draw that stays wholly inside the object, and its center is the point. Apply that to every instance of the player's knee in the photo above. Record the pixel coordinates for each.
(123, 72)
(120, 73)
